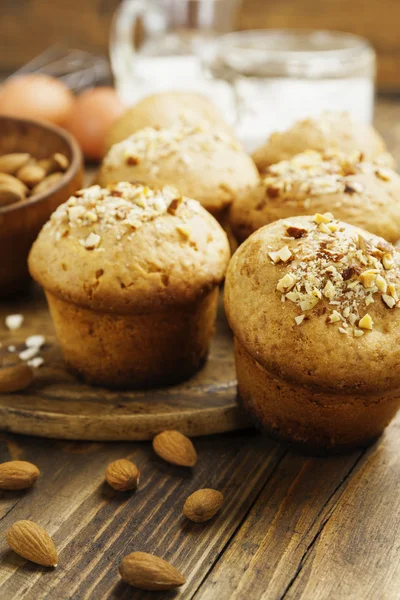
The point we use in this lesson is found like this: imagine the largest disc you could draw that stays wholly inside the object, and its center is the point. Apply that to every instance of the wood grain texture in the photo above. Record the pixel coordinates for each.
(86, 25)
(292, 527)
(94, 527)
(58, 405)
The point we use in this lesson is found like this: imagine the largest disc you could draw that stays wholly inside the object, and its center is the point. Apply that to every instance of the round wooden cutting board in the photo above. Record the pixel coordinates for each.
(57, 405)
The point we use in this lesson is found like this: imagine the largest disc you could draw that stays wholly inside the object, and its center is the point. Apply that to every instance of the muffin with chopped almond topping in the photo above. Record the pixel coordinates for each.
(131, 275)
(313, 304)
(202, 161)
(360, 192)
(165, 109)
(330, 131)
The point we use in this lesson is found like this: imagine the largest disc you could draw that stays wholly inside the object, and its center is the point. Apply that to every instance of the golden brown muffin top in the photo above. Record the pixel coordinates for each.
(331, 131)
(129, 248)
(360, 192)
(316, 300)
(166, 109)
(203, 162)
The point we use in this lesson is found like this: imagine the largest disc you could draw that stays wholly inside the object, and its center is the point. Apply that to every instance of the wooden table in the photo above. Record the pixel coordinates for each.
(292, 527)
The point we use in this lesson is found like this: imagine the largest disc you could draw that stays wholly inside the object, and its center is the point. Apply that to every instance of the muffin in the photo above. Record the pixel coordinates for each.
(331, 131)
(131, 276)
(359, 192)
(166, 110)
(314, 308)
(203, 162)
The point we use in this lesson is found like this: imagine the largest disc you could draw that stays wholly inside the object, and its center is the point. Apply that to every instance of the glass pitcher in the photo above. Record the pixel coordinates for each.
(157, 45)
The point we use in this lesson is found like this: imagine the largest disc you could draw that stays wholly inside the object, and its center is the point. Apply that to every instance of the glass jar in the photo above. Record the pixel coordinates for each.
(280, 76)
(155, 45)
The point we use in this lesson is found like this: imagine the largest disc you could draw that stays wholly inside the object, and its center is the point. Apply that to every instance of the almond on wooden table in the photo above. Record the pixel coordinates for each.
(15, 377)
(148, 572)
(18, 475)
(32, 542)
(203, 505)
(174, 447)
(122, 475)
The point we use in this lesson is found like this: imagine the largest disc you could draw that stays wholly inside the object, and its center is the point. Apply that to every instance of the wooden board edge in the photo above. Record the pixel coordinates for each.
(121, 428)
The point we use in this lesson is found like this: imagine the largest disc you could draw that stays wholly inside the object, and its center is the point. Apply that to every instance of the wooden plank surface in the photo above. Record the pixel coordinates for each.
(86, 25)
(292, 527)
(58, 405)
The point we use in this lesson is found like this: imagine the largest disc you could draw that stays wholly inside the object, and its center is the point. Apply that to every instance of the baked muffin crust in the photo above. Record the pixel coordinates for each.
(332, 130)
(360, 192)
(315, 302)
(129, 249)
(165, 110)
(202, 161)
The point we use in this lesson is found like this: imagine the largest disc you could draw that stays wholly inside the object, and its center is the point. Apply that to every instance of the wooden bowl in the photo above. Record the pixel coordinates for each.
(20, 223)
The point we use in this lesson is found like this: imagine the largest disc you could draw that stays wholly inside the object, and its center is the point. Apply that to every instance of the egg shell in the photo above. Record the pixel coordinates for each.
(36, 96)
(94, 112)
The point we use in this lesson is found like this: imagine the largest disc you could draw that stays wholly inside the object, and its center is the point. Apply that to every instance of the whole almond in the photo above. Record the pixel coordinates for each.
(11, 163)
(47, 183)
(175, 448)
(48, 165)
(149, 572)
(9, 195)
(18, 475)
(122, 475)
(13, 183)
(61, 161)
(14, 378)
(32, 542)
(203, 505)
(31, 174)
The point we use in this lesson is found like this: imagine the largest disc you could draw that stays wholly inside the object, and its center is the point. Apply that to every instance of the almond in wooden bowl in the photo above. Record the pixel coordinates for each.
(148, 572)
(21, 220)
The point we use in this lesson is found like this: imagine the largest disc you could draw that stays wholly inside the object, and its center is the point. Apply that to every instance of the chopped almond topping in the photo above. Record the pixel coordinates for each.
(299, 319)
(381, 284)
(281, 255)
(369, 300)
(334, 317)
(296, 232)
(184, 230)
(368, 278)
(323, 228)
(387, 261)
(389, 300)
(366, 322)
(384, 174)
(340, 273)
(286, 283)
(325, 218)
(92, 241)
(309, 303)
(329, 290)
(353, 187)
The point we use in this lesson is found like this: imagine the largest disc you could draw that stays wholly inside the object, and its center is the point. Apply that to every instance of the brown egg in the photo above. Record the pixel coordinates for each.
(94, 112)
(36, 96)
